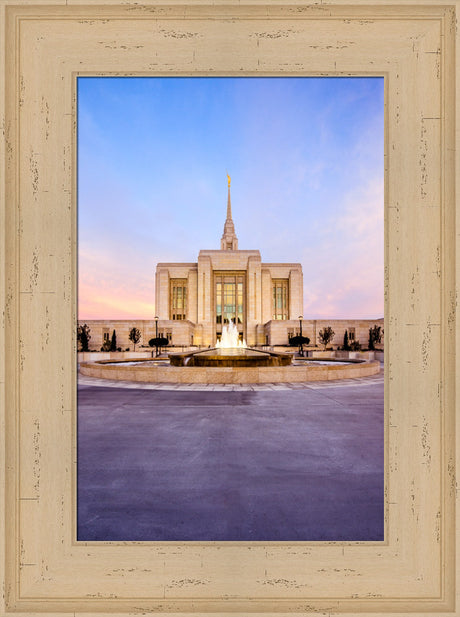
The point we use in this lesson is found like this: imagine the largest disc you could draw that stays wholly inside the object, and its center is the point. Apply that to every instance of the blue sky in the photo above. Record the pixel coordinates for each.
(306, 160)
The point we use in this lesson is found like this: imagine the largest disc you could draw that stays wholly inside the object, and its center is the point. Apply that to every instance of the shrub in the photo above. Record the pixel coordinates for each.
(106, 346)
(375, 336)
(295, 341)
(83, 336)
(161, 341)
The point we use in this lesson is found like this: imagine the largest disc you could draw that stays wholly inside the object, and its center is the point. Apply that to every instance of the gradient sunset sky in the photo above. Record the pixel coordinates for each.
(305, 156)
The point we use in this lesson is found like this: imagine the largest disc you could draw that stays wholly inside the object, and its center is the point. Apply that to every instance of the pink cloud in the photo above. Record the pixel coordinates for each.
(343, 274)
(113, 288)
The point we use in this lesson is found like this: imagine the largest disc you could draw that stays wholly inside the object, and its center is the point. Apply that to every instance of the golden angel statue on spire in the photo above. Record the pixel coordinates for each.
(228, 178)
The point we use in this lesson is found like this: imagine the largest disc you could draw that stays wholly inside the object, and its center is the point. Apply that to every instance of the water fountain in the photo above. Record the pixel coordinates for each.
(230, 338)
(230, 351)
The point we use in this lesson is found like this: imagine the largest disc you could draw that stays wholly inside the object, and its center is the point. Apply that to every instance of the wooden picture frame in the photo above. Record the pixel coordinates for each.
(45, 47)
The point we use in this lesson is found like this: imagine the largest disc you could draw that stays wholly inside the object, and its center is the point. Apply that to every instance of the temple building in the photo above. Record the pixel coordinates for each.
(193, 301)
(228, 284)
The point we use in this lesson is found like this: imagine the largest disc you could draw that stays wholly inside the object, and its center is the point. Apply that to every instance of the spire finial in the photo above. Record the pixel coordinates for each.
(229, 180)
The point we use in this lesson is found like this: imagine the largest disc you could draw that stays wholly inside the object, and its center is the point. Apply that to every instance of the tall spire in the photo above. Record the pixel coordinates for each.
(229, 203)
(229, 241)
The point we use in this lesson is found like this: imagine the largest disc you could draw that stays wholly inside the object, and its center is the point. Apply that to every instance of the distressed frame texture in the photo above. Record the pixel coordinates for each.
(412, 44)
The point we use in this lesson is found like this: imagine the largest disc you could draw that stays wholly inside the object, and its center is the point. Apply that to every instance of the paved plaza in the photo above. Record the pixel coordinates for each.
(284, 462)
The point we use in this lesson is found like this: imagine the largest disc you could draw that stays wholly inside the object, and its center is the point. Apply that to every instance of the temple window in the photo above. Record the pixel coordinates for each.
(280, 302)
(178, 299)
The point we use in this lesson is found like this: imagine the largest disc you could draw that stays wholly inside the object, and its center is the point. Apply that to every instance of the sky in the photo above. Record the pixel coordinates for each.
(305, 156)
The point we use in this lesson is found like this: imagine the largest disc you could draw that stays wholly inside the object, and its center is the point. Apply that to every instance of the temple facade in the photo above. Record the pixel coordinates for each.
(227, 284)
(193, 301)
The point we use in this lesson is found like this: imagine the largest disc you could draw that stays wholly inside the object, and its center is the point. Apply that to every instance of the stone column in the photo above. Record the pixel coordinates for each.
(205, 299)
(295, 293)
(192, 296)
(267, 292)
(162, 292)
(253, 299)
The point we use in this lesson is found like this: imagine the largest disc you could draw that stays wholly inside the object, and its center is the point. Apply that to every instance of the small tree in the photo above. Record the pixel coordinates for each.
(113, 344)
(346, 344)
(83, 336)
(375, 336)
(295, 341)
(160, 341)
(326, 335)
(299, 341)
(371, 340)
(135, 336)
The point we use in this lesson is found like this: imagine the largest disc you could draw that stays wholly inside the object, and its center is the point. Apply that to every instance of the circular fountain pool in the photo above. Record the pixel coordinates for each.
(232, 362)
(163, 371)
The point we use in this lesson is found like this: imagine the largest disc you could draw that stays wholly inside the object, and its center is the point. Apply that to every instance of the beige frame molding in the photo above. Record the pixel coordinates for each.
(412, 44)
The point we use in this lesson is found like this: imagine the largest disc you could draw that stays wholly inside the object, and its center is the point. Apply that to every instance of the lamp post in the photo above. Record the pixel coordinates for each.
(156, 336)
(301, 342)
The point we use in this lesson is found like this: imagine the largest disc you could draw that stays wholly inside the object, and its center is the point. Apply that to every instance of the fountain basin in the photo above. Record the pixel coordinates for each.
(162, 372)
(230, 357)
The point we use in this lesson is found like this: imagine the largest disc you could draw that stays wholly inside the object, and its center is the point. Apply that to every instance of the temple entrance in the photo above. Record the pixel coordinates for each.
(230, 305)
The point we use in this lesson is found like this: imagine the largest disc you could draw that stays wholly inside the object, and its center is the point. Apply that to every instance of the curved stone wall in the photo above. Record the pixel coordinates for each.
(197, 374)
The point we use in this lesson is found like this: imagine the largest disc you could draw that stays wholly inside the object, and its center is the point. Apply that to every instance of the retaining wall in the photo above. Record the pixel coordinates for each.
(195, 374)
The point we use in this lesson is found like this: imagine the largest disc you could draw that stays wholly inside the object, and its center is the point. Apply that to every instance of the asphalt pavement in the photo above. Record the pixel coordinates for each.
(300, 464)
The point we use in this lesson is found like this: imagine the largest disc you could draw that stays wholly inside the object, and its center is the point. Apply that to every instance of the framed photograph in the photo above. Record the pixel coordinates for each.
(48, 568)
